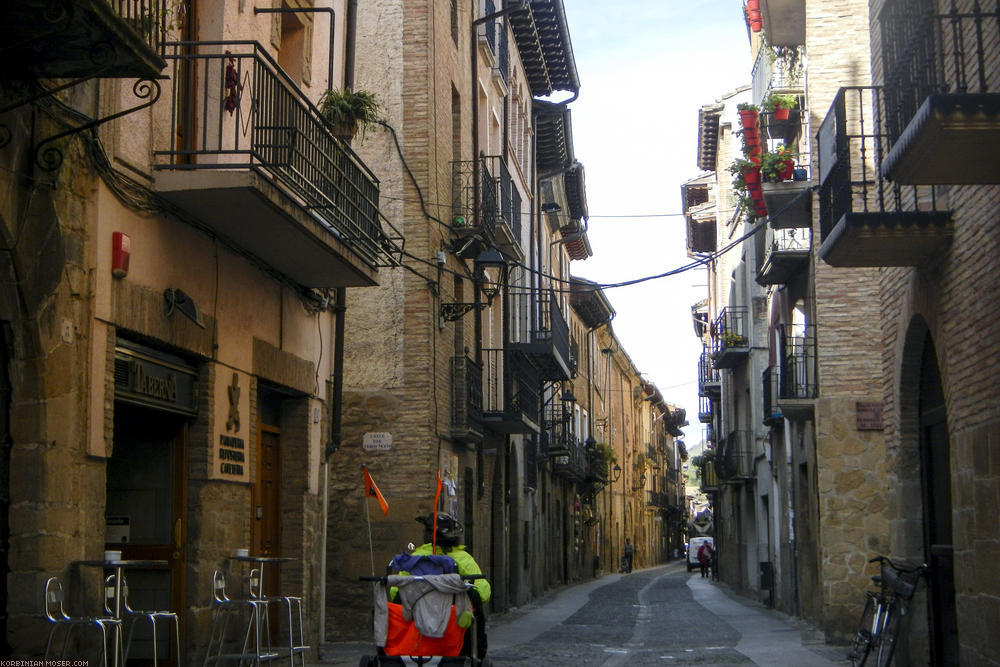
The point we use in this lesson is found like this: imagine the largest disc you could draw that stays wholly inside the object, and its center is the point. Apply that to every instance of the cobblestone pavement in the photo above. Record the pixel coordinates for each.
(658, 616)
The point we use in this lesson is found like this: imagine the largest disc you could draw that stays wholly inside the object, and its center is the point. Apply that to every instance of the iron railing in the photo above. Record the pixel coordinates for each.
(729, 330)
(502, 68)
(708, 376)
(234, 107)
(151, 19)
(704, 409)
(777, 68)
(467, 213)
(467, 394)
(511, 384)
(769, 381)
(568, 455)
(851, 146)
(925, 53)
(536, 319)
(797, 371)
(736, 456)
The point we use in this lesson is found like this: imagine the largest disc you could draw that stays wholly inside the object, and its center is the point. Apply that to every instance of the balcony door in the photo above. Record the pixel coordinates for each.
(936, 488)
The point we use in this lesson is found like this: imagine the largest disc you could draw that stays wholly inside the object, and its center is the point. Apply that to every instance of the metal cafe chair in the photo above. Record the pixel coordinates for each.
(55, 611)
(131, 616)
(227, 608)
(293, 609)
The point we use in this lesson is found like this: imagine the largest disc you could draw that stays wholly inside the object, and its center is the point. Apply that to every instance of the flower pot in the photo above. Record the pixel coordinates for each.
(753, 5)
(752, 132)
(748, 118)
(760, 210)
(751, 140)
(756, 21)
(751, 175)
(786, 170)
(780, 113)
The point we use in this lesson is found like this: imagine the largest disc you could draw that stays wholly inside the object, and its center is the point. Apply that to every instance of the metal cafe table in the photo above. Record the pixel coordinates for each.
(119, 567)
(257, 627)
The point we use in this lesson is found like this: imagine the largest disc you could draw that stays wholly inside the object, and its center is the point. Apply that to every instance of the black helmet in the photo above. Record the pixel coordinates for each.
(449, 529)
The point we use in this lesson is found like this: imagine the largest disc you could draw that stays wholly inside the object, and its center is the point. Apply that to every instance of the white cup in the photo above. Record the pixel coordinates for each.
(112, 556)
(241, 553)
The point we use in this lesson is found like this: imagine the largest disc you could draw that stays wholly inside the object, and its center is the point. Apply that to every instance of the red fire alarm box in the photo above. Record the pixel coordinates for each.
(121, 248)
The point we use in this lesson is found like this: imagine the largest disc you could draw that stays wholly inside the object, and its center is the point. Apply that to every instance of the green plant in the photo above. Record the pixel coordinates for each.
(349, 110)
(776, 100)
(777, 165)
(733, 339)
(746, 106)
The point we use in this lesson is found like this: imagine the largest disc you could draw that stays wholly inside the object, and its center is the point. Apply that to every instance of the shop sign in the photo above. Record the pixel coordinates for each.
(116, 529)
(147, 377)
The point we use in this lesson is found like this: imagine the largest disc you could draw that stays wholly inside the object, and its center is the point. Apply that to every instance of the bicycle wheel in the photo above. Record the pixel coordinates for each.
(862, 644)
(885, 642)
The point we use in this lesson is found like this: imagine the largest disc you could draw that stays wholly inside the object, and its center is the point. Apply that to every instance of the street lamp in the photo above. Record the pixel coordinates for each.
(489, 275)
(616, 473)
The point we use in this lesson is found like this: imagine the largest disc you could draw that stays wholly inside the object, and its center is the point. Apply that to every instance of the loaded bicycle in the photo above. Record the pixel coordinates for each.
(884, 609)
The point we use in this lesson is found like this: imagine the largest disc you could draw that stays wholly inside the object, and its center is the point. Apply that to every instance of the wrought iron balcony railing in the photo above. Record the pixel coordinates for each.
(705, 409)
(540, 332)
(772, 413)
(234, 109)
(777, 69)
(567, 454)
(730, 337)
(941, 91)
(511, 401)
(864, 219)
(85, 38)
(736, 457)
(783, 253)
(797, 371)
(709, 382)
(468, 217)
(466, 400)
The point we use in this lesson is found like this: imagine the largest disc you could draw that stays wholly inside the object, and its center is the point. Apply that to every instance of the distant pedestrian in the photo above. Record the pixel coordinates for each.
(704, 558)
(628, 553)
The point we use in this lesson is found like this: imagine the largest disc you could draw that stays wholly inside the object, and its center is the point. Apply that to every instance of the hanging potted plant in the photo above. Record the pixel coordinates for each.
(748, 114)
(777, 165)
(348, 111)
(780, 105)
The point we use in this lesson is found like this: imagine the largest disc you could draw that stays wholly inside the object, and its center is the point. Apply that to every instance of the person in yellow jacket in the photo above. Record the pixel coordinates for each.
(449, 533)
(448, 543)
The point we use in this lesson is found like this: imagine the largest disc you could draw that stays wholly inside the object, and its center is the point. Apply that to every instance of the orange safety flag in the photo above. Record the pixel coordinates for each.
(437, 498)
(372, 492)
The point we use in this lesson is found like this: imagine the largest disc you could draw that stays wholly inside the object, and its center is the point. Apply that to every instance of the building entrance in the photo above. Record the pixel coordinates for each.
(144, 514)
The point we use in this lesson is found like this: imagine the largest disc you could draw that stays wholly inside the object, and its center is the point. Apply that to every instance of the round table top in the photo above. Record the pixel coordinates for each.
(134, 564)
(261, 559)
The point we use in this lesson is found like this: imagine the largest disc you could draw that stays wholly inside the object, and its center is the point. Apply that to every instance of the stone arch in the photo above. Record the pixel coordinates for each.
(906, 507)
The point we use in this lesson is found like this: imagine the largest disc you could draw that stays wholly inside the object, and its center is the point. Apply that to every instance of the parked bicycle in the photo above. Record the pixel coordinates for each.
(884, 609)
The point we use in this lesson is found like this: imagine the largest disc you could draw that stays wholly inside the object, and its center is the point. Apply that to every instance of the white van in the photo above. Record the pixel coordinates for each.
(692, 551)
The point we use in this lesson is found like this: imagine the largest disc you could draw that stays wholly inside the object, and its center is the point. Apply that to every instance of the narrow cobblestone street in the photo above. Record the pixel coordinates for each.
(657, 616)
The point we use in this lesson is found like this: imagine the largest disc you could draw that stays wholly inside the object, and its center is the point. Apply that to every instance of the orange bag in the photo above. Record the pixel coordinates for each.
(403, 638)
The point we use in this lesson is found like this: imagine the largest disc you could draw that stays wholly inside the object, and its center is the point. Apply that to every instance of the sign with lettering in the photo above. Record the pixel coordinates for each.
(377, 442)
(116, 529)
(868, 415)
(232, 456)
(148, 377)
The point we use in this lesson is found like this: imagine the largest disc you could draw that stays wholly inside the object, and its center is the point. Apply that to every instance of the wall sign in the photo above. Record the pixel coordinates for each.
(377, 442)
(232, 456)
(868, 415)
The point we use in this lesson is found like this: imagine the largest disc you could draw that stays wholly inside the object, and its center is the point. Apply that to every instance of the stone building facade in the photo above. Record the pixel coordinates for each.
(170, 304)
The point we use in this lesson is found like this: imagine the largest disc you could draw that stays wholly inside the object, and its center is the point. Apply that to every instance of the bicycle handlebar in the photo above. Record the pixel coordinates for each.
(383, 578)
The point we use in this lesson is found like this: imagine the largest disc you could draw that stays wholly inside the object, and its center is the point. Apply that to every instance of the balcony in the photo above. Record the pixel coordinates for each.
(567, 453)
(797, 386)
(784, 21)
(941, 95)
(709, 382)
(783, 254)
(864, 219)
(469, 218)
(259, 166)
(772, 413)
(778, 69)
(508, 224)
(736, 457)
(81, 39)
(705, 409)
(540, 333)
(466, 400)
(730, 338)
(511, 401)
(709, 477)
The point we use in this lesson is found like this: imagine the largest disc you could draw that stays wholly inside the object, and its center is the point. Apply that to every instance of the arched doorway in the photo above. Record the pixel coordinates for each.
(935, 482)
(923, 490)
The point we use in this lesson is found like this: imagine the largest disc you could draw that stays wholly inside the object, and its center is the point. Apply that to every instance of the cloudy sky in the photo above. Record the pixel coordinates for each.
(645, 67)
